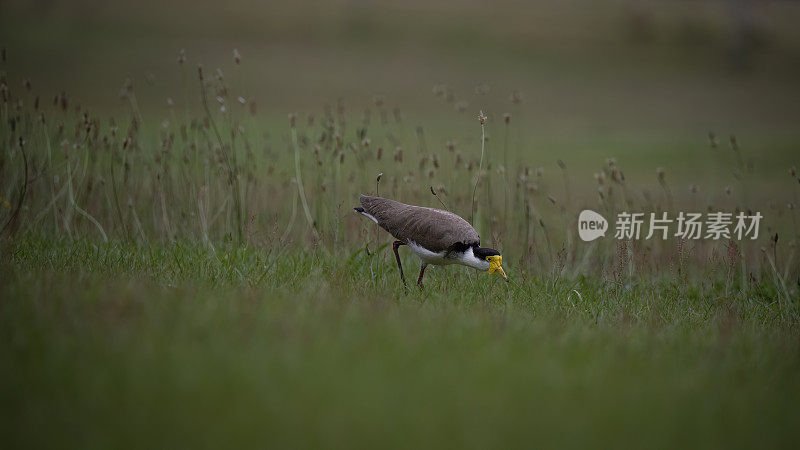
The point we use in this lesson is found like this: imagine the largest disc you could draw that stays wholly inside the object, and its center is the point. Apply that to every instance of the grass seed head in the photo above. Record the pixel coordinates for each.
(600, 177)
(127, 88)
(712, 139)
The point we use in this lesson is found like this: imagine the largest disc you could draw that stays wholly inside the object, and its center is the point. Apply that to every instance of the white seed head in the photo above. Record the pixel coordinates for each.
(600, 177)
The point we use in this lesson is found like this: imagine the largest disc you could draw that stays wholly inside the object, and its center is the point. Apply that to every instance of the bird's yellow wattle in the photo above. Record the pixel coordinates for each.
(495, 265)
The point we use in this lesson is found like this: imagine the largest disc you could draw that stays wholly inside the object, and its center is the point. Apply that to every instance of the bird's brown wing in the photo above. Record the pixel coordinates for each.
(434, 229)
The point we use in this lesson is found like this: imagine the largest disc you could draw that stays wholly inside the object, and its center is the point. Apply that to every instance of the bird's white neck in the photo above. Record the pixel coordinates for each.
(468, 258)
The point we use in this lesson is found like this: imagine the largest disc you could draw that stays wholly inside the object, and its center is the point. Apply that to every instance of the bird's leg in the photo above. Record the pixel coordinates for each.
(395, 246)
(421, 273)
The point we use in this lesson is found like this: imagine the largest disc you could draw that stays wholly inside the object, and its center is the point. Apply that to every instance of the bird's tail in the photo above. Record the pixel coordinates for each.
(361, 211)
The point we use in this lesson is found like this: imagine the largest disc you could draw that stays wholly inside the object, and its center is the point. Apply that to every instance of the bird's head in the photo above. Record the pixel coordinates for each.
(494, 259)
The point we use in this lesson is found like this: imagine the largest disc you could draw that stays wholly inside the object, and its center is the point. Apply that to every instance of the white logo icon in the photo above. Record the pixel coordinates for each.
(591, 225)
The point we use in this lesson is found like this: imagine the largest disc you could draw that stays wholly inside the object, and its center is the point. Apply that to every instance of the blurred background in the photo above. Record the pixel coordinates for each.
(658, 67)
(644, 82)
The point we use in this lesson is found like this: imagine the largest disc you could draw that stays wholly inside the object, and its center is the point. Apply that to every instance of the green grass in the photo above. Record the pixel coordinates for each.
(108, 345)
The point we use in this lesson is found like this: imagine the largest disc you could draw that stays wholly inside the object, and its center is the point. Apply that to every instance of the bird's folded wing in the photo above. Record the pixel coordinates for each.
(434, 229)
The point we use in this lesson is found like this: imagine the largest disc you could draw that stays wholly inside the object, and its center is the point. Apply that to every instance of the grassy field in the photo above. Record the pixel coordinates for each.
(180, 265)
(119, 346)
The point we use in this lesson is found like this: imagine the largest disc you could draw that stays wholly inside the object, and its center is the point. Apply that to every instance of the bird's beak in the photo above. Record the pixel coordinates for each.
(496, 265)
(503, 273)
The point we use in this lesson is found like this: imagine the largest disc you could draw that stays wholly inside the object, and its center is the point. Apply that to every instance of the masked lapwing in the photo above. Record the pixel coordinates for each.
(435, 236)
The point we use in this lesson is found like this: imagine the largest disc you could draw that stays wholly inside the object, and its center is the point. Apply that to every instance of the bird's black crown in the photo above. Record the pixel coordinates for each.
(482, 253)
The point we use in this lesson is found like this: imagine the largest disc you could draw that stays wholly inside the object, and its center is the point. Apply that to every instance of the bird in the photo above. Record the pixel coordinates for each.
(436, 236)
